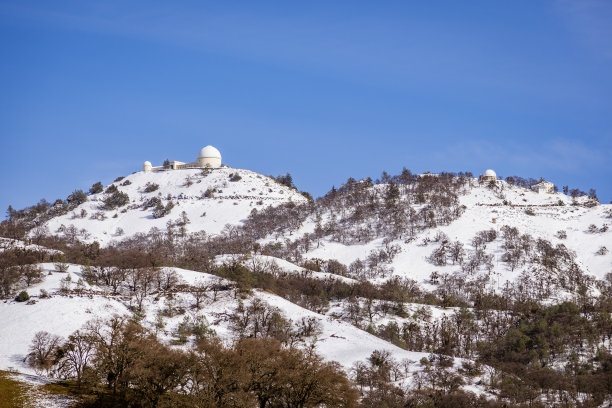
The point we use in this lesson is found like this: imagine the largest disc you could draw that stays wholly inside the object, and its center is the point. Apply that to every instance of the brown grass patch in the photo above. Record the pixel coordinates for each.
(13, 392)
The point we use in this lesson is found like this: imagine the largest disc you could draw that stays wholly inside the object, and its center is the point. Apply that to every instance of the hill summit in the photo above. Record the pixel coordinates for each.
(192, 200)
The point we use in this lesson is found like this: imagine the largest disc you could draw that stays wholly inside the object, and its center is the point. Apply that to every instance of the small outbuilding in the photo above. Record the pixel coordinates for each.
(544, 187)
(428, 174)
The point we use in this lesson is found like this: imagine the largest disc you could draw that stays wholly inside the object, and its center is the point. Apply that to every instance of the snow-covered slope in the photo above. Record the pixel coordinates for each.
(9, 244)
(209, 200)
(227, 202)
(539, 215)
(62, 313)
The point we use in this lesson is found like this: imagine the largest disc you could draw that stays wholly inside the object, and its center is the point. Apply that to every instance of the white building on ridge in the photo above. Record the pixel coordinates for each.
(544, 187)
(489, 175)
(208, 157)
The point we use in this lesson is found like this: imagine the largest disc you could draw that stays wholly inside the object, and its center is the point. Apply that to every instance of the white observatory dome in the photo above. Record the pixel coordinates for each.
(490, 173)
(147, 166)
(209, 157)
(210, 151)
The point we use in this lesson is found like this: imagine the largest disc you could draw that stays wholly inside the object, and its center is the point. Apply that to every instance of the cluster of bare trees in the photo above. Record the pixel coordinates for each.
(19, 269)
(548, 268)
(260, 320)
(277, 221)
(14, 278)
(138, 370)
(523, 343)
(381, 381)
(470, 261)
(359, 211)
(375, 265)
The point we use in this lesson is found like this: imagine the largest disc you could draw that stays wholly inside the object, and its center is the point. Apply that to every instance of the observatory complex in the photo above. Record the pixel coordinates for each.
(208, 157)
(543, 187)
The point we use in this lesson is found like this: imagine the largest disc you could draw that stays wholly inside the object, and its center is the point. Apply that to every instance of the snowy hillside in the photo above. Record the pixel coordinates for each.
(208, 197)
(71, 302)
(483, 208)
(447, 282)
(7, 244)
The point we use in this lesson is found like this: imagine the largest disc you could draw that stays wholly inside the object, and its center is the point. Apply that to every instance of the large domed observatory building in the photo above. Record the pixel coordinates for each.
(209, 157)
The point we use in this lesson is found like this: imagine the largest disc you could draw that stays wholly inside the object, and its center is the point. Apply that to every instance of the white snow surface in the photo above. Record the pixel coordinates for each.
(231, 203)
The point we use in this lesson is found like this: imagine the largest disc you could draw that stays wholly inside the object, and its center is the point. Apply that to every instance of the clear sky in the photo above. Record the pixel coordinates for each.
(324, 90)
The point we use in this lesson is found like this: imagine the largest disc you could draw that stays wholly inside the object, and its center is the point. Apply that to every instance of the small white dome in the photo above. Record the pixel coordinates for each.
(147, 163)
(209, 151)
(490, 173)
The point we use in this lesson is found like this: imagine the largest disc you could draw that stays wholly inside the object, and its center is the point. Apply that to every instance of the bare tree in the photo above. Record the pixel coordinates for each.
(199, 292)
(43, 351)
(78, 350)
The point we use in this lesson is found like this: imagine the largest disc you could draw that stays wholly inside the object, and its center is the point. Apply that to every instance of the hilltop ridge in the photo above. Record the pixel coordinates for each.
(202, 200)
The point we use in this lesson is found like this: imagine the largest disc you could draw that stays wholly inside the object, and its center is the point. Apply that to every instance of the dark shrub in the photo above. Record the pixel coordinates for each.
(115, 200)
(77, 198)
(96, 188)
(151, 187)
(153, 202)
(22, 296)
(286, 180)
(161, 211)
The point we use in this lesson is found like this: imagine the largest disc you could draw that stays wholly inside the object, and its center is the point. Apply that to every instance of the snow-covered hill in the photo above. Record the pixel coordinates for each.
(409, 263)
(557, 218)
(208, 201)
(208, 197)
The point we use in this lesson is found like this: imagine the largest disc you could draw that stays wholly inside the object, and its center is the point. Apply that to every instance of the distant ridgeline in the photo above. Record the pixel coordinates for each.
(20, 222)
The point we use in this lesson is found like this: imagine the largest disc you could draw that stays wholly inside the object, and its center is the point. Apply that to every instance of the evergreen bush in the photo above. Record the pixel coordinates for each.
(22, 296)
(151, 187)
(115, 200)
(96, 188)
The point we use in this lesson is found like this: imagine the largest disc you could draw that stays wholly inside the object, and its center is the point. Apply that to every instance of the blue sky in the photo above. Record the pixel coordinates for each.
(323, 90)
